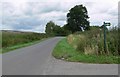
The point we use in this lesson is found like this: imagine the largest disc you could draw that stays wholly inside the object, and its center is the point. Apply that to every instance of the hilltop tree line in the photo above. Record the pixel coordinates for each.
(77, 20)
(55, 30)
(90, 42)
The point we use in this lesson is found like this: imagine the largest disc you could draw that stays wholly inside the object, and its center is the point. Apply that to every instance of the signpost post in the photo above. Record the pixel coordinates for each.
(105, 24)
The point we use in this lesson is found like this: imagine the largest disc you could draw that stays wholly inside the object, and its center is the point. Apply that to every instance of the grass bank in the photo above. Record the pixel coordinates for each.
(0, 42)
(8, 49)
(15, 39)
(92, 42)
(67, 52)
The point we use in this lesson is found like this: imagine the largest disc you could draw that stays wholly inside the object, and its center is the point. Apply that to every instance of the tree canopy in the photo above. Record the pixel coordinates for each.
(55, 30)
(49, 28)
(77, 19)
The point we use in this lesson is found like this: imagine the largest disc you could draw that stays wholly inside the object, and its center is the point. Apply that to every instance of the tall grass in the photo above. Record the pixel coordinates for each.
(65, 51)
(92, 42)
(0, 39)
(12, 39)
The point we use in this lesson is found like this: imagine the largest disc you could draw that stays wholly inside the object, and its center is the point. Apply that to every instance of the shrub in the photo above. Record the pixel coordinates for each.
(92, 42)
(11, 38)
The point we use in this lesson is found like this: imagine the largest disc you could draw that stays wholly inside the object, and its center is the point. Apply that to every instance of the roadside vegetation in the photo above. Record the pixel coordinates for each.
(13, 40)
(85, 43)
(92, 42)
(89, 48)
(0, 42)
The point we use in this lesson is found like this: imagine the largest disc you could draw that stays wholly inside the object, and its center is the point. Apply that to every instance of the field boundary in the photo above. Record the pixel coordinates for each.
(8, 49)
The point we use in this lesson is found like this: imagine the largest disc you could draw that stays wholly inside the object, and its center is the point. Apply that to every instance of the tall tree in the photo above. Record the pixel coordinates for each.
(57, 30)
(49, 28)
(77, 19)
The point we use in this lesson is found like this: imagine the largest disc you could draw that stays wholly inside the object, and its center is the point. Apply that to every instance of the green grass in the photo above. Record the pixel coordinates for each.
(0, 39)
(15, 38)
(8, 49)
(0, 42)
(65, 51)
(92, 42)
(1, 51)
(10, 40)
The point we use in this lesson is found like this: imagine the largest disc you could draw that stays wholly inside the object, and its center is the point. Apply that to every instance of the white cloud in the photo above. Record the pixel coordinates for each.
(36, 13)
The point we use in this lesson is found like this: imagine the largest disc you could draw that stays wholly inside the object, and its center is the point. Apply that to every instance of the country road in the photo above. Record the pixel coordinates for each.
(37, 60)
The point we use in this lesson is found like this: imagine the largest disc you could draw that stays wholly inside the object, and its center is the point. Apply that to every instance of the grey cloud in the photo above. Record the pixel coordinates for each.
(7, 8)
(41, 8)
(113, 11)
(62, 18)
(35, 15)
(22, 22)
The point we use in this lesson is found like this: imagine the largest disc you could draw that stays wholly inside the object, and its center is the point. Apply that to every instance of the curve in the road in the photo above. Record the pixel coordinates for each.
(37, 60)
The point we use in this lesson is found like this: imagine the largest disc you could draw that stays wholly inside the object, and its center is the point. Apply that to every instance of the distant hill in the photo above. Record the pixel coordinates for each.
(14, 31)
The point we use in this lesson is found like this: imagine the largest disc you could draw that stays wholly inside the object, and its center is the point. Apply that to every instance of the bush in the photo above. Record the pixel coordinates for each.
(92, 42)
(11, 38)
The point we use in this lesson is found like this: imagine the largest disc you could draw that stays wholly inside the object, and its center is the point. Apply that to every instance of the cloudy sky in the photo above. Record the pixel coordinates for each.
(32, 15)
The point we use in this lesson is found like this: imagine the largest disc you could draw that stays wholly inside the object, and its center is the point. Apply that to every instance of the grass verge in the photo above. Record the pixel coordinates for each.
(66, 52)
(8, 49)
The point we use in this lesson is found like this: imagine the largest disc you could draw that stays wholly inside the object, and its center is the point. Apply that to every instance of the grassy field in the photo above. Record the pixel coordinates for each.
(13, 40)
(88, 47)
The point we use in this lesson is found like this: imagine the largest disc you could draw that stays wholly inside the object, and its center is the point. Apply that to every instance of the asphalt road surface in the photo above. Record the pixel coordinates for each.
(37, 60)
